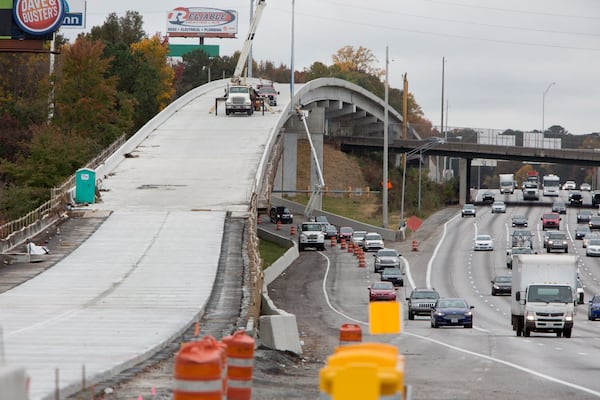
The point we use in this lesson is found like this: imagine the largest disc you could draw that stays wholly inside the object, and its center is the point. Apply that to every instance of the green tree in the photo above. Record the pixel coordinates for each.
(115, 30)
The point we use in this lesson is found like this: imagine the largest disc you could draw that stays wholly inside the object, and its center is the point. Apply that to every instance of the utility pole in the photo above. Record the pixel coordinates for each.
(250, 53)
(385, 144)
(292, 62)
(442, 119)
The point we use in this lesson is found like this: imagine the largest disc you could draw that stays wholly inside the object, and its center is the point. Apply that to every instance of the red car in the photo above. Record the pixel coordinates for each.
(385, 291)
(550, 220)
(346, 233)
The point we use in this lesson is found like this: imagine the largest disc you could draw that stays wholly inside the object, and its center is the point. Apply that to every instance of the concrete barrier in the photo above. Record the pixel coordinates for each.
(13, 383)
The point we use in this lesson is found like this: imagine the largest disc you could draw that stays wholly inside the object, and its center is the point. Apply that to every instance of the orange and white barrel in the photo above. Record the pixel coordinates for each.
(240, 364)
(198, 371)
(350, 334)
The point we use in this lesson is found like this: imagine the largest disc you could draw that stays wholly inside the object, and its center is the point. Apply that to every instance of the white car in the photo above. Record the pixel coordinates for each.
(593, 248)
(372, 241)
(585, 187)
(498, 207)
(483, 242)
(570, 185)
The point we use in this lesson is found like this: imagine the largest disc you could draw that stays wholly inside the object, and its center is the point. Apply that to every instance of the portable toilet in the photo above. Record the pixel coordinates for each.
(85, 185)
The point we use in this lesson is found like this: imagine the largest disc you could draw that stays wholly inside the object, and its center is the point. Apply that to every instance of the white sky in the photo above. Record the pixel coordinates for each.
(501, 55)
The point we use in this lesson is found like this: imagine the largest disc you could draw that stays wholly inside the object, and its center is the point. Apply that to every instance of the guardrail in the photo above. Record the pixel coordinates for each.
(14, 232)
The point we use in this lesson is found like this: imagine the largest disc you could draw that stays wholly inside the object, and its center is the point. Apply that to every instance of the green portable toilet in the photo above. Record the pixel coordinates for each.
(85, 185)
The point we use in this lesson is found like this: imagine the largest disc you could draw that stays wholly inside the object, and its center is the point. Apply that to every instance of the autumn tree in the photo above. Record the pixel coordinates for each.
(360, 59)
(87, 102)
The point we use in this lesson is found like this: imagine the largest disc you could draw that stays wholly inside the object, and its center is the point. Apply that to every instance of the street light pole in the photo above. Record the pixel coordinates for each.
(544, 106)
(385, 145)
(292, 62)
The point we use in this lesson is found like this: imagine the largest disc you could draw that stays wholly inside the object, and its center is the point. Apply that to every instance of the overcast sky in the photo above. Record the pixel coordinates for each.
(501, 55)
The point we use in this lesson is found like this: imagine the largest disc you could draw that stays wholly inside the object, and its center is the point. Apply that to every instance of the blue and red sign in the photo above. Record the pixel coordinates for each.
(201, 21)
(39, 17)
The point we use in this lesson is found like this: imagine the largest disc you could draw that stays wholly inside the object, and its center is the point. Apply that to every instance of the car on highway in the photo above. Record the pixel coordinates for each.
(382, 291)
(330, 231)
(452, 312)
(557, 241)
(498, 207)
(516, 250)
(468, 210)
(593, 248)
(281, 214)
(581, 231)
(521, 238)
(580, 292)
(559, 206)
(585, 187)
(519, 220)
(386, 258)
(357, 238)
(372, 241)
(550, 220)
(346, 233)
(501, 284)
(483, 242)
(594, 222)
(575, 198)
(394, 275)
(420, 301)
(594, 308)
(488, 197)
(588, 237)
(583, 216)
(569, 185)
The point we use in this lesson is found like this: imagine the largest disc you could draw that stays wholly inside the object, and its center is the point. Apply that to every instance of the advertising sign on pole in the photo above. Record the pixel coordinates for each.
(201, 22)
(74, 14)
(39, 18)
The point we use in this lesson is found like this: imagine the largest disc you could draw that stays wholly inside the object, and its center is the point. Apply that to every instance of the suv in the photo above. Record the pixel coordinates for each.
(421, 301)
(311, 235)
(386, 258)
(281, 214)
(550, 220)
(468, 209)
(267, 90)
(487, 197)
(584, 216)
(557, 241)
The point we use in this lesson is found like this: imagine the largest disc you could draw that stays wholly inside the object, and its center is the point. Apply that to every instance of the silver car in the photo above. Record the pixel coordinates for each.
(386, 258)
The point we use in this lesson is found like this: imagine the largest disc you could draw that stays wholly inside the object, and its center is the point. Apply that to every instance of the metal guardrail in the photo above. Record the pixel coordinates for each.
(59, 198)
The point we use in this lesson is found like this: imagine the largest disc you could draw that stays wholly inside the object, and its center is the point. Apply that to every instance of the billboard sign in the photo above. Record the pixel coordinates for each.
(74, 14)
(201, 22)
(39, 17)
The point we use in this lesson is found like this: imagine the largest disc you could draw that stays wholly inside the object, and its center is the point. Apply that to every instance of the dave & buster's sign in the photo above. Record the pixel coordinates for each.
(202, 22)
(39, 17)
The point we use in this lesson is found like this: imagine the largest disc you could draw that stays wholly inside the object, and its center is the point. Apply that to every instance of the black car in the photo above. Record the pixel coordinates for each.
(488, 197)
(581, 231)
(519, 220)
(501, 284)
(394, 275)
(584, 216)
(281, 214)
(594, 222)
(575, 198)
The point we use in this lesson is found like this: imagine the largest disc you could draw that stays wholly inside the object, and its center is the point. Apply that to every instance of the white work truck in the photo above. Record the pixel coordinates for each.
(543, 293)
(311, 235)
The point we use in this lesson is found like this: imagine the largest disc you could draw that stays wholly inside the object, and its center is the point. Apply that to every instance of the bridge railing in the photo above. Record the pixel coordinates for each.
(16, 231)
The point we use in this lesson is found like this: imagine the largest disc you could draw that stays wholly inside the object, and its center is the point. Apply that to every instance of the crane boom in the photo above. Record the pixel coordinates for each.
(237, 74)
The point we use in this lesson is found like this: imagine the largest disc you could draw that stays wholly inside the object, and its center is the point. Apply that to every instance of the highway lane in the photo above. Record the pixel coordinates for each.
(442, 363)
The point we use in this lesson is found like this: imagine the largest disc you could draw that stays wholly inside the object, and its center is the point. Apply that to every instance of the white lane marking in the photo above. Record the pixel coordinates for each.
(509, 364)
(435, 251)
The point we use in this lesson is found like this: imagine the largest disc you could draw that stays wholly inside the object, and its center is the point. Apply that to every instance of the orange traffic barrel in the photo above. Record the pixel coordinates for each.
(415, 245)
(350, 247)
(292, 230)
(278, 226)
(240, 362)
(361, 260)
(198, 371)
(343, 244)
(258, 219)
(350, 334)
(333, 241)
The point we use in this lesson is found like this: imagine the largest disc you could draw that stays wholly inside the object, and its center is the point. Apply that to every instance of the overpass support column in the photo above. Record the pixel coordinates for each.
(285, 180)
(464, 174)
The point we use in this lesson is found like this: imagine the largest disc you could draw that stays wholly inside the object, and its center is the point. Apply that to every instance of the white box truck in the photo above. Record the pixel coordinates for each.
(543, 293)
(507, 183)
